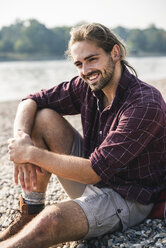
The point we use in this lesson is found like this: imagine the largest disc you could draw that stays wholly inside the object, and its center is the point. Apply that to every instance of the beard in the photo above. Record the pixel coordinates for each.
(107, 75)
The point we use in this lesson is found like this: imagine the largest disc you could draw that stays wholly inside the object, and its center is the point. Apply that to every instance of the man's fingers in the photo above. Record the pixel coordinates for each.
(33, 176)
(16, 171)
(27, 180)
(27, 175)
(21, 177)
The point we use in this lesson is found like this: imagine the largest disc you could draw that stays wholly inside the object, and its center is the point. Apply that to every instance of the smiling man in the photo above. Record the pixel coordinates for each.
(114, 173)
(97, 69)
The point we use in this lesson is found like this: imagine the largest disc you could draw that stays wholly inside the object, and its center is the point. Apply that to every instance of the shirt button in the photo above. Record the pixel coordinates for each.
(100, 132)
(119, 211)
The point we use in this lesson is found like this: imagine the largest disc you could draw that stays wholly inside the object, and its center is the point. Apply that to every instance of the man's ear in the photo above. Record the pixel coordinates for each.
(115, 53)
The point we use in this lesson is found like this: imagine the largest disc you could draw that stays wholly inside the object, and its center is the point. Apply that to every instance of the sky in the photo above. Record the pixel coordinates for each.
(112, 13)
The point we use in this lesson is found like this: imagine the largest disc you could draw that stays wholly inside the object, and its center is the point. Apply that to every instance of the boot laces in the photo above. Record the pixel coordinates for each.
(14, 217)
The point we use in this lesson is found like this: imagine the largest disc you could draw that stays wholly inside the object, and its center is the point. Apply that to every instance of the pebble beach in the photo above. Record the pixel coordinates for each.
(150, 233)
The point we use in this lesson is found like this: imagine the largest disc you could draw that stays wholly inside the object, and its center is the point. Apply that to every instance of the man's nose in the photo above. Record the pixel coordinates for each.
(85, 69)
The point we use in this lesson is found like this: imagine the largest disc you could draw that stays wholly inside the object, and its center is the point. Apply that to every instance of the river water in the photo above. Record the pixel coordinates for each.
(18, 79)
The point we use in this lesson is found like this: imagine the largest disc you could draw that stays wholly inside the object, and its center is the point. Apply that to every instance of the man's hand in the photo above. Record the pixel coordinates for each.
(18, 148)
(24, 171)
(27, 174)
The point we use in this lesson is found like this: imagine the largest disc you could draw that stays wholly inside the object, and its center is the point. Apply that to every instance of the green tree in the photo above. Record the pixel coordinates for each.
(60, 40)
(136, 41)
(33, 38)
(122, 32)
(155, 40)
(38, 37)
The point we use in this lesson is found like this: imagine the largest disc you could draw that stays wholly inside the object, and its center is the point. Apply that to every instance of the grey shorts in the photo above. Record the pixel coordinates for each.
(105, 209)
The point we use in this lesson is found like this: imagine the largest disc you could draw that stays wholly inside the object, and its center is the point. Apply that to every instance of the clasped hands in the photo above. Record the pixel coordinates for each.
(23, 170)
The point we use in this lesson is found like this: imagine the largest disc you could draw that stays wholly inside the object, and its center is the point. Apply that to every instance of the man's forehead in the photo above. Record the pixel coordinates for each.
(84, 45)
(84, 49)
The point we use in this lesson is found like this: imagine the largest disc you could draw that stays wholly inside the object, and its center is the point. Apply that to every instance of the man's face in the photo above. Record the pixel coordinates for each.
(94, 65)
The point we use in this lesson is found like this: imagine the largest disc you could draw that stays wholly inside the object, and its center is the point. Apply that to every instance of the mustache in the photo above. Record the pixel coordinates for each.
(90, 74)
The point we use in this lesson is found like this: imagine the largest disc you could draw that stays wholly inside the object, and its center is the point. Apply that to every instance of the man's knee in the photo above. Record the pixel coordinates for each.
(53, 131)
(51, 220)
(43, 118)
(65, 221)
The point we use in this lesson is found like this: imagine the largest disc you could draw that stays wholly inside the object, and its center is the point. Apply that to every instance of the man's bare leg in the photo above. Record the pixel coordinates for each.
(52, 132)
(58, 223)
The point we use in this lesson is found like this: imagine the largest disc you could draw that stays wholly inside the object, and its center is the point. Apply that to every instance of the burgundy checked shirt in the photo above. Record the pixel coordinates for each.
(126, 141)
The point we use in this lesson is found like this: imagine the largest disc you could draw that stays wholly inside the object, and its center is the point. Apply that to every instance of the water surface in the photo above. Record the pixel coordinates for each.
(18, 79)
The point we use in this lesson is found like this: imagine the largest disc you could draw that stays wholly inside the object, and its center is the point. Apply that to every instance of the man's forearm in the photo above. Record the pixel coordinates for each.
(25, 116)
(65, 166)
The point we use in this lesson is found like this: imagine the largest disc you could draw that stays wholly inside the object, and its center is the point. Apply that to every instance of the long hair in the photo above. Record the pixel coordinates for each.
(102, 36)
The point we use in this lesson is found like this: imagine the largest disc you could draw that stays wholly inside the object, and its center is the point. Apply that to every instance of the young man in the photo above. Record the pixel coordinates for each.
(113, 174)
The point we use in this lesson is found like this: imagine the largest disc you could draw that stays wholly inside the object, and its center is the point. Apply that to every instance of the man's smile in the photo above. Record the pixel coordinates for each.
(92, 77)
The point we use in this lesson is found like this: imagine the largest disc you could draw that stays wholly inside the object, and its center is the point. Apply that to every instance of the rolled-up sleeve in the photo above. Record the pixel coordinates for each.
(136, 128)
(65, 98)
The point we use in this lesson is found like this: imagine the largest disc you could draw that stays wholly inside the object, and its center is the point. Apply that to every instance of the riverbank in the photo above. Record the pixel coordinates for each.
(8, 57)
(147, 234)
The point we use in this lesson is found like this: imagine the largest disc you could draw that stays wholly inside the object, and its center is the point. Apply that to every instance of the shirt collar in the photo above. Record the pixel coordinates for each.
(122, 85)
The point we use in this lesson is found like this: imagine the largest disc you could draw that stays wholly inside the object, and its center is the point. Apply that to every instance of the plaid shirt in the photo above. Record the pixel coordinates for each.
(126, 141)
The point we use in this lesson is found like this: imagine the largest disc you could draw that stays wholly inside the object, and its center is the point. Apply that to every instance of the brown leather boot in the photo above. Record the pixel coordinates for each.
(22, 218)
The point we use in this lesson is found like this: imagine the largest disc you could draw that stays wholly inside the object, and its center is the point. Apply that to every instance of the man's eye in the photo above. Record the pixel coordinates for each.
(78, 65)
(92, 59)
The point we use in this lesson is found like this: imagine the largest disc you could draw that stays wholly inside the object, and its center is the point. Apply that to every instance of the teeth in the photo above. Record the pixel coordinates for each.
(93, 77)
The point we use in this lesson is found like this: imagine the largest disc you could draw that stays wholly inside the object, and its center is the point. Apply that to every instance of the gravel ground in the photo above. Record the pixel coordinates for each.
(150, 233)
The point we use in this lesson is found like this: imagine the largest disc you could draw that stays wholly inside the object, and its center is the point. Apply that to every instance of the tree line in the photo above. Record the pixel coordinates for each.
(32, 39)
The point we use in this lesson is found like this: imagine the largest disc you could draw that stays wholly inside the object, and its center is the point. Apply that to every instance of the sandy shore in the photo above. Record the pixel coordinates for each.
(8, 191)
